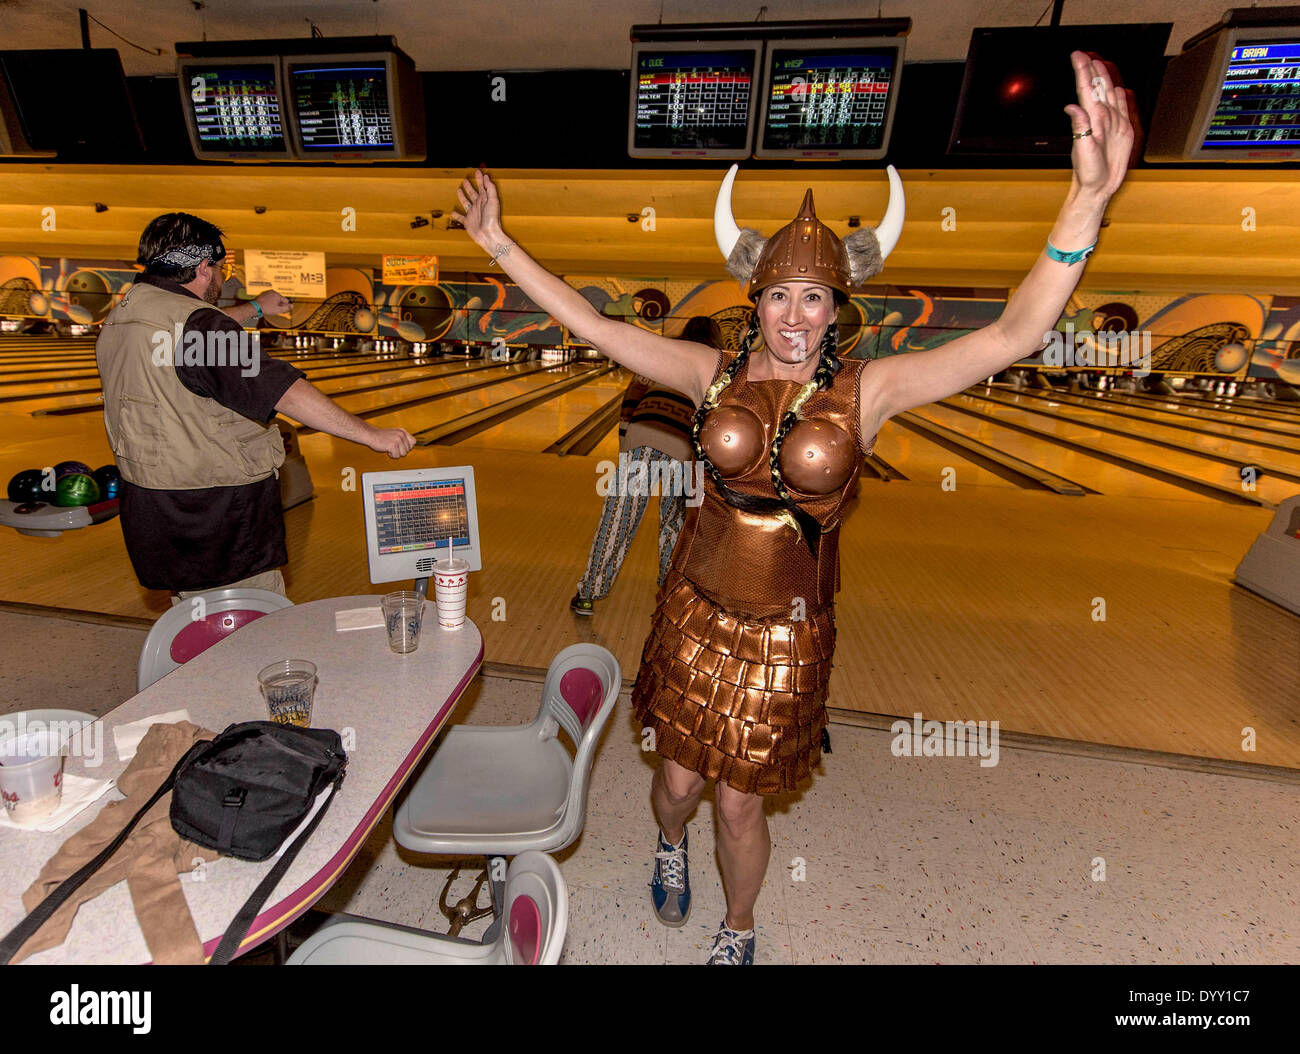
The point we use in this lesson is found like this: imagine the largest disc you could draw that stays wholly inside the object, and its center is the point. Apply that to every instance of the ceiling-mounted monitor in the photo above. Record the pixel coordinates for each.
(1233, 95)
(693, 99)
(1018, 81)
(830, 98)
(360, 107)
(234, 108)
(13, 134)
(73, 103)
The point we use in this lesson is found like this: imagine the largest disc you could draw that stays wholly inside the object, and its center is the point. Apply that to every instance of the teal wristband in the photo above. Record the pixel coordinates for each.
(258, 308)
(1054, 253)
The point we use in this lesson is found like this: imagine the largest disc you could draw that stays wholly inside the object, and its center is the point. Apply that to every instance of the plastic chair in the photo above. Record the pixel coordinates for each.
(537, 907)
(177, 636)
(501, 790)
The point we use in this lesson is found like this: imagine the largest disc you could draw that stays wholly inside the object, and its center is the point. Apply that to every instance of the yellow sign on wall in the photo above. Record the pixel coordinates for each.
(410, 270)
(288, 272)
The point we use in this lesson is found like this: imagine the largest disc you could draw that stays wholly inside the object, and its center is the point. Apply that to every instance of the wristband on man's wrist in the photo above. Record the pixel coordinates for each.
(258, 308)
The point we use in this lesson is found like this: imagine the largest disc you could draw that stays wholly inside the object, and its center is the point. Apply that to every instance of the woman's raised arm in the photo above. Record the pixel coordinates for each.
(678, 364)
(1103, 143)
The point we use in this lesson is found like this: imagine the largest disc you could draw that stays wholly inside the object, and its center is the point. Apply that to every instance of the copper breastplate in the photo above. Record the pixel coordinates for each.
(755, 562)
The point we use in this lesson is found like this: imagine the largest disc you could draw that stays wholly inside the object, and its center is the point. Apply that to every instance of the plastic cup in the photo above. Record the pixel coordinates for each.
(450, 585)
(289, 686)
(31, 777)
(403, 616)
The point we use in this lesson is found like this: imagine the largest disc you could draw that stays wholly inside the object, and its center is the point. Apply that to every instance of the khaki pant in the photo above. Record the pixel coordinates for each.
(269, 580)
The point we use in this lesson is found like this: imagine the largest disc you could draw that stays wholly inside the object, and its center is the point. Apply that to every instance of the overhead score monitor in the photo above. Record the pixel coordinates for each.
(414, 516)
(693, 99)
(1234, 95)
(1019, 79)
(234, 108)
(66, 102)
(830, 98)
(365, 107)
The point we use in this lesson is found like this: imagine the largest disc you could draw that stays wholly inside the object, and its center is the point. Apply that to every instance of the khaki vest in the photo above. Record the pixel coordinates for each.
(163, 435)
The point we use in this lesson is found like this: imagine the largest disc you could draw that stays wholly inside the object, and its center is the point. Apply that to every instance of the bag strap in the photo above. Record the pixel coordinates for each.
(238, 928)
(39, 915)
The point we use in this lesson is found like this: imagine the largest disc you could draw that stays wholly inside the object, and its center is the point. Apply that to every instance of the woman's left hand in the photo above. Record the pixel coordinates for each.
(1100, 158)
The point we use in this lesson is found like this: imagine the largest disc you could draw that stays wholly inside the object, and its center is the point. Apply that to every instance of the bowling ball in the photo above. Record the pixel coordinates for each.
(26, 486)
(89, 291)
(428, 308)
(109, 480)
(364, 320)
(68, 468)
(76, 489)
(39, 303)
(1230, 358)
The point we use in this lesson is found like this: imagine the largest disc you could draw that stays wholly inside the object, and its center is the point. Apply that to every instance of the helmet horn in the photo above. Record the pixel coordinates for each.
(891, 224)
(725, 229)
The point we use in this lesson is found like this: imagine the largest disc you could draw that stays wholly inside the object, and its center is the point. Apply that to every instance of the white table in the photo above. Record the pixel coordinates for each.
(395, 705)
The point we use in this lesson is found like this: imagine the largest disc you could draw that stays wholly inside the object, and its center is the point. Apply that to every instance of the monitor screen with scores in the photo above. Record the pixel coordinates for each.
(363, 107)
(693, 100)
(1257, 102)
(830, 98)
(234, 109)
(412, 518)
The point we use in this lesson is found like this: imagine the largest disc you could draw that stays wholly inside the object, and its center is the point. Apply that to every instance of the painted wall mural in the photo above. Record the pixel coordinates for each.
(1221, 334)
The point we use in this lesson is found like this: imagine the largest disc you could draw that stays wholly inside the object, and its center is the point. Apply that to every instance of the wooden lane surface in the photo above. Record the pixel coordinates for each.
(538, 427)
(1097, 474)
(983, 609)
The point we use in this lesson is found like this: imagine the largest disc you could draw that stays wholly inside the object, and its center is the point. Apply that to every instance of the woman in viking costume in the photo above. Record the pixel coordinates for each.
(734, 675)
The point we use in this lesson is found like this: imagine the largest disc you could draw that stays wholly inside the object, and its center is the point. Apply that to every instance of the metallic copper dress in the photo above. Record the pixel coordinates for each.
(734, 675)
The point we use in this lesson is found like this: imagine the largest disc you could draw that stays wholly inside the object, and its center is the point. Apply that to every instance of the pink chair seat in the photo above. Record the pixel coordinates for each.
(201, 634)
(583, 691)
(525, 931)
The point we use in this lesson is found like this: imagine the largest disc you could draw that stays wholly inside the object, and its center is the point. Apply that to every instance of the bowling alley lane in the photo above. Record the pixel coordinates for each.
(1189, 465)
(354, 379)
(1226, 440)
(449, 402)
(1114, 403)
(537, 427)
(1213, 410)
(1072, 464)
(922, 460)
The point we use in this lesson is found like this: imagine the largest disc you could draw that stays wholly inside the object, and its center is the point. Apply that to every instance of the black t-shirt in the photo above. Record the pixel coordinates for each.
(199, 539)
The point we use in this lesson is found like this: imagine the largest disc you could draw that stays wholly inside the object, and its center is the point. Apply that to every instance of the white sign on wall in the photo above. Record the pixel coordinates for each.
(290, 273)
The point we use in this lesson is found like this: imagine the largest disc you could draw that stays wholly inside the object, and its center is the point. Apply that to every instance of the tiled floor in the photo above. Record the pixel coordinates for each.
(1042, 858)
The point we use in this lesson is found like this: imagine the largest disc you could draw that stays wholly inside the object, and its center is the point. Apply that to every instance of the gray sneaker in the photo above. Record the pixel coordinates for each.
(670, 888)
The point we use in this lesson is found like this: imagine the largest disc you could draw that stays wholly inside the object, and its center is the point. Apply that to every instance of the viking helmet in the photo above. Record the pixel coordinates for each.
(806, 250)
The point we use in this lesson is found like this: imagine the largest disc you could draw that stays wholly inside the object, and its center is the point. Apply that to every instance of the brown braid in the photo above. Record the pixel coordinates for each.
(827, 367)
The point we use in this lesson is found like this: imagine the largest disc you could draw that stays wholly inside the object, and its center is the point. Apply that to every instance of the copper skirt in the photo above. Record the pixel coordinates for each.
(741, 700)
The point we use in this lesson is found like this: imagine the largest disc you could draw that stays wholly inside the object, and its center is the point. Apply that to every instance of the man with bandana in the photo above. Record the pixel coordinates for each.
(190, 406)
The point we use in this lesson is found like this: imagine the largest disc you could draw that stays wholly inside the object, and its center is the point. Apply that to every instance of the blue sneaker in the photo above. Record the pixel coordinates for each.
(670, 889)
(732, 947)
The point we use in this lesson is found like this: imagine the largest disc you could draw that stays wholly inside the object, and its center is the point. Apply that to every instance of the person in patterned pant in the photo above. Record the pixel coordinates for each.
(654, 448)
